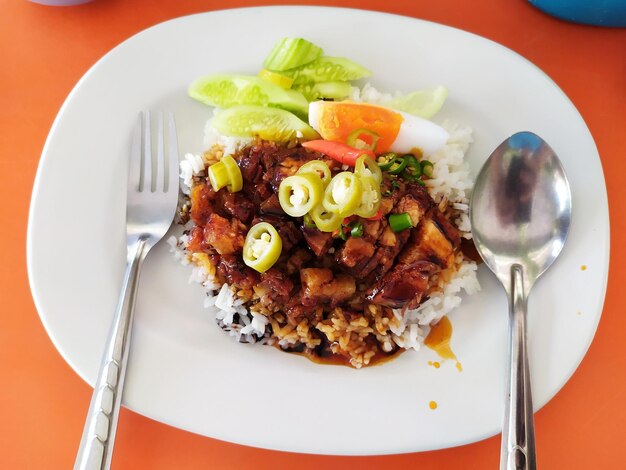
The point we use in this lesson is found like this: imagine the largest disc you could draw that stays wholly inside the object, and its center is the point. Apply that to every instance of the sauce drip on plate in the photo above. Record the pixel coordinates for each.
(438, 340)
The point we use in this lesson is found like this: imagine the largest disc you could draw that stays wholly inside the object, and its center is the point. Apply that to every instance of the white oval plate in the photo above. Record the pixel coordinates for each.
(183, 369)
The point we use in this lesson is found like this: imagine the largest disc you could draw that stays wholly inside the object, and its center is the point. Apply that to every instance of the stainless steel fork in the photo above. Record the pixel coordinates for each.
(151, 204)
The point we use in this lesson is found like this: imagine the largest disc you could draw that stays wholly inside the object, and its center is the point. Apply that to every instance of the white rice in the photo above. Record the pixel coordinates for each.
(451, 181)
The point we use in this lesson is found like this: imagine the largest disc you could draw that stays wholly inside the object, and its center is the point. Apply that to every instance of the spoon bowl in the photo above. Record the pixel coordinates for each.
(520, 213)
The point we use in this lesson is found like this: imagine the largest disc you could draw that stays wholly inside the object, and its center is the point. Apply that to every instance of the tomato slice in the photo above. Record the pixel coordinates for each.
(337, 151)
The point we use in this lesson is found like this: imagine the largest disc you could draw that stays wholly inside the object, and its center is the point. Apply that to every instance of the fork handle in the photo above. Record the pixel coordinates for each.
(96, 445)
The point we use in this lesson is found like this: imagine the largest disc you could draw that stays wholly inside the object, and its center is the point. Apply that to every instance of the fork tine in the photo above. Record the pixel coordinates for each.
(172, 180)
(148, 178)
(134, 163)
(159, 184)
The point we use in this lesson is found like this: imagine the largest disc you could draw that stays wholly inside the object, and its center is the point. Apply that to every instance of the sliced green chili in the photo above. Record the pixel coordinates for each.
(262, 247)
(427, 168)
(343, 194)
(226, 172)
(366, 166)
(397, 166)
(386, 160)
(325, 220)
(363, 139)
(318, 168)
(299, 193)
(413, 170)
(370, 197)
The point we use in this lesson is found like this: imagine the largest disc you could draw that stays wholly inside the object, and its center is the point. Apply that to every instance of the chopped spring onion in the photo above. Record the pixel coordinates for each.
(356, 229)
(400, 222)
(343, 232)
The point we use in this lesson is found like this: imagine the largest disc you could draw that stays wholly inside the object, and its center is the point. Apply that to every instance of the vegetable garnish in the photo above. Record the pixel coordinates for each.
(226, 172)
(318, 168)
(398, 165)
(337, 151)
(413, 169)
(356, 229)
(423, 103)
(386, 160)
(400, 222)
(325, 220)
(276, 78)
(298, 194)
(295, 75)
(327, 69)
(262, 247)
(370, 199)
(394, 185)
(267, 123)
(291, 52)
(397, 131)
(343, 194)
(324, 90)
(363, 139)
(225, 90)
(366, 166)
(343, 232)
(308, 221)
(427, 168)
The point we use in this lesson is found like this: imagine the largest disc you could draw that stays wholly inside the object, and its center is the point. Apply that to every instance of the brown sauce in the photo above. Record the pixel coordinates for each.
(438, 340)
(469, 250)
(327, 357)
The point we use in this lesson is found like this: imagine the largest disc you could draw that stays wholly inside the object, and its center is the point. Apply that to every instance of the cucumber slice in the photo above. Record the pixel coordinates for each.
(327, 69)
(224, 91)
(423, 103)
(267, 123)
(328, 90)
(291, 52)
(276, 78)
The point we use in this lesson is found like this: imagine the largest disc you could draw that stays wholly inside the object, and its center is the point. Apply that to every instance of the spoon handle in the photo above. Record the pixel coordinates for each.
(518, 432)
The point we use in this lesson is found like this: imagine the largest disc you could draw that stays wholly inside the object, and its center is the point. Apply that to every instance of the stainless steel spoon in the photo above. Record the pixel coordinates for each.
(520, 213)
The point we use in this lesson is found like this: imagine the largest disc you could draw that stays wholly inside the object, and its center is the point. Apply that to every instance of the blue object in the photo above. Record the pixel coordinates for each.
(594, 12)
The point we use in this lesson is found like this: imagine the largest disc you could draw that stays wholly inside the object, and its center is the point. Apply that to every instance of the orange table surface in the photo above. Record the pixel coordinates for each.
(43, 53)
